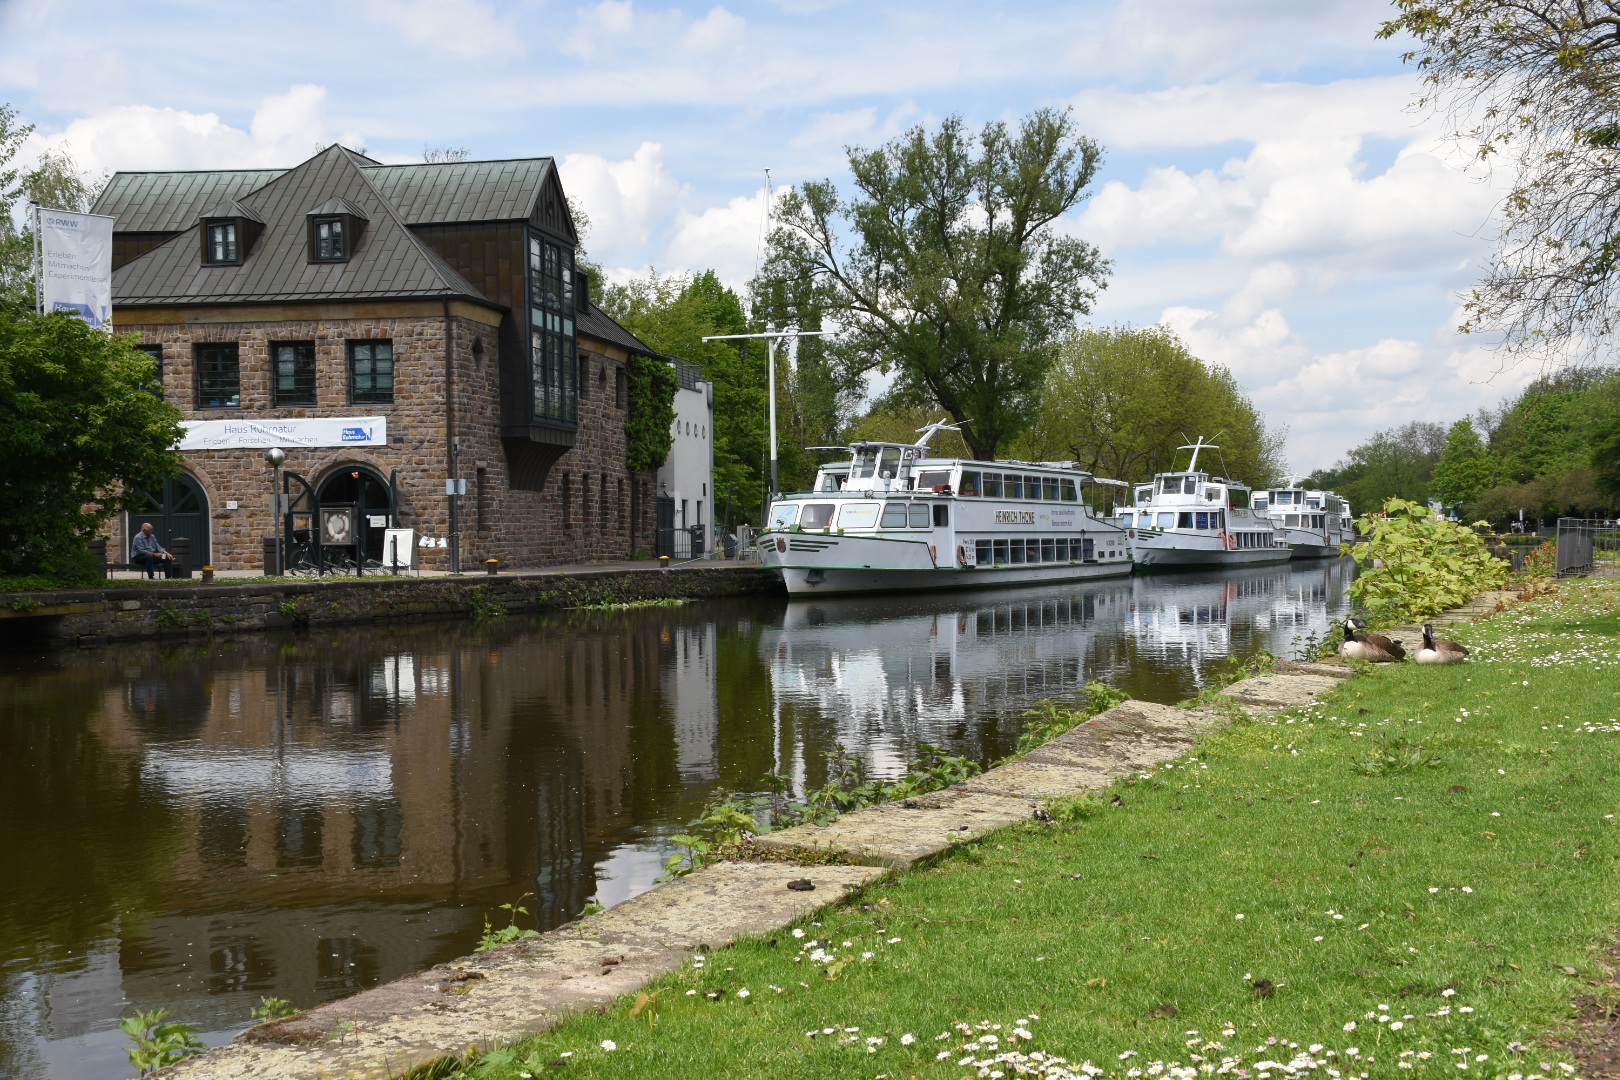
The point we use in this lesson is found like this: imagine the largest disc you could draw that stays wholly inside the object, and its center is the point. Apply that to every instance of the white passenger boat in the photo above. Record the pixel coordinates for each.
(893, 516)
(1194, 519)
(1314, 523)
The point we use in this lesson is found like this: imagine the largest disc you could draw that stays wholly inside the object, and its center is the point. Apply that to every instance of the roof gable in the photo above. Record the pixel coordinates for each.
(390, 261)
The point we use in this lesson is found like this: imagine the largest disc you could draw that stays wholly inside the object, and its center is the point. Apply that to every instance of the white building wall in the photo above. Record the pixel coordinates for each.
(688, 473)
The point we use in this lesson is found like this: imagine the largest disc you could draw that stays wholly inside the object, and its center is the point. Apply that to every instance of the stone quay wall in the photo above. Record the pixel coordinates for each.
(91, 617)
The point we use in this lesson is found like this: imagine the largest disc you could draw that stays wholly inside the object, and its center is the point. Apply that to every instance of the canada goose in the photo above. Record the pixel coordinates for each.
(1438, 652)
(1373, 648)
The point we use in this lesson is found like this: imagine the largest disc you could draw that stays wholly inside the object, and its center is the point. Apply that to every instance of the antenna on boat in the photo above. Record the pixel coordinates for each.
(1195, 448)
(935, 428)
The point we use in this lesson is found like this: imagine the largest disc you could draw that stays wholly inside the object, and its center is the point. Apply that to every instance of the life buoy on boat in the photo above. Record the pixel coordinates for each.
(964, 556)
(933, 555)
(1231, 540)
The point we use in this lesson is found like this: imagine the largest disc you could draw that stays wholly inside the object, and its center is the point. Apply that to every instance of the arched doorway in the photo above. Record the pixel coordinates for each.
(369, 494)
(180, 509)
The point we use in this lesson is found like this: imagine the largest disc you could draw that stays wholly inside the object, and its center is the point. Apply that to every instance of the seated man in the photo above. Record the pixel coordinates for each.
(145, 552)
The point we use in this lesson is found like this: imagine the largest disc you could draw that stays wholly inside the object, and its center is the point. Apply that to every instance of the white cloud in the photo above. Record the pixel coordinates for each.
(627, 200)
(286, 129)
(724, 238)
(466, 29)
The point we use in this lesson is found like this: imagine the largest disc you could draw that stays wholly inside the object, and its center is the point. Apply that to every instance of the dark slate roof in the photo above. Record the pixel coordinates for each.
(460, 191)
(171, 201)
(230, 208)
(596, 323)
(337, 204)
(688, 375)
(390, 262)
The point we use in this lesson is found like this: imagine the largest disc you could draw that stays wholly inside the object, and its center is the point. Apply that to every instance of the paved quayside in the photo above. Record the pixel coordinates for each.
(521, 989)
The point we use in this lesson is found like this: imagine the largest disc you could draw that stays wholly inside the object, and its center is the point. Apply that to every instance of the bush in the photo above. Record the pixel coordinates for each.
(1416, 564)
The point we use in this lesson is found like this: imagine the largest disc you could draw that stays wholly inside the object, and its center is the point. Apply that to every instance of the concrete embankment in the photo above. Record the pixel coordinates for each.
(522, 989)
(99, 616)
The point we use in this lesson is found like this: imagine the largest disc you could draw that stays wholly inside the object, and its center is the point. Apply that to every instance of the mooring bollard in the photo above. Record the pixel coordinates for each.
(208, 575)
(663, 562)
(490, 566)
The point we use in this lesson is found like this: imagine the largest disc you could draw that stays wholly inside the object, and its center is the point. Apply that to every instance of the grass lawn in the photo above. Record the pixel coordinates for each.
(1414, 877)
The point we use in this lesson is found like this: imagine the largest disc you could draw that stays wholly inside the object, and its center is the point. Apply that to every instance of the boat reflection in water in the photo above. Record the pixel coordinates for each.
(209, 821)
(883, 674)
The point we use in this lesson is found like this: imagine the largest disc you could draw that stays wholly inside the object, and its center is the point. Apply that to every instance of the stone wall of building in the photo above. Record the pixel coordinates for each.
(583, 514)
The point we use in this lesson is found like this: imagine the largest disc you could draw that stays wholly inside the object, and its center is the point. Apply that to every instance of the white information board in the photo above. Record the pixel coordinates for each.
(75, 252)
(399, 547)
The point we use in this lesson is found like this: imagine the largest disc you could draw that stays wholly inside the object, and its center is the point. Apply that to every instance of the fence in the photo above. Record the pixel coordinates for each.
(1587, 546)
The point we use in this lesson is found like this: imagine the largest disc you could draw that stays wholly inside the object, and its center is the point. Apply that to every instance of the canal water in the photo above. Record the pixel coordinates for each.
(197, 824)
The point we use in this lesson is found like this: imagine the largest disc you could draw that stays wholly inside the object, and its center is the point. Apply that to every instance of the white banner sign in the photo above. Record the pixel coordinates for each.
(76, 265)
(263, 434)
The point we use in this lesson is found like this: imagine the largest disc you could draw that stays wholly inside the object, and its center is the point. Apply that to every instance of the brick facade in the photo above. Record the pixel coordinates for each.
(582, 514)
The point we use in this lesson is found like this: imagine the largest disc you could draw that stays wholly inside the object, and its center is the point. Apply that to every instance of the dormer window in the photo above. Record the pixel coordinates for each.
(329, 240)
(222, 243)
(334, 231)
(228, 233)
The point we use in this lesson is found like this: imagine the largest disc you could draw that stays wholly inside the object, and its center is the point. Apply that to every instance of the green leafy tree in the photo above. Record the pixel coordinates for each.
(1604, 448)
(673, 313)
(78, 435)
(1397, 463)
(947, 265)
(1416, 564)
(1534, 86)
(1466, 467)
(1120, 400)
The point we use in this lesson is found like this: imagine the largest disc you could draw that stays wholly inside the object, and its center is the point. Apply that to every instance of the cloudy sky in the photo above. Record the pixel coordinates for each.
(1266, 191)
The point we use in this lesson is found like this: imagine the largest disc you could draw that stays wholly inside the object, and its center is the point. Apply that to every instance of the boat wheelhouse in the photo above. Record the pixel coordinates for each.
(1314, 523)
(1193, 518)
(894, 516)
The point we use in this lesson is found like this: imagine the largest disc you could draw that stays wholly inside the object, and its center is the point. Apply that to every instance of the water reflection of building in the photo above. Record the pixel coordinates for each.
(350, 813)
(689, 679)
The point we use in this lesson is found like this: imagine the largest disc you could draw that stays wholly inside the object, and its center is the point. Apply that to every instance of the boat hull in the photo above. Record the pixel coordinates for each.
(1168, 558)
(803, 581)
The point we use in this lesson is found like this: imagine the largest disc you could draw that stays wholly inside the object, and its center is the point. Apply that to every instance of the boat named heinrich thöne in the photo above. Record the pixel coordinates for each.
(1314, 523)
(894, 516)
(1194, 519)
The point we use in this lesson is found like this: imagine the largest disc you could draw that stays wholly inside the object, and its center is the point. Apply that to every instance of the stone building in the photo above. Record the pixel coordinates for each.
(686, 479)
(391, 328)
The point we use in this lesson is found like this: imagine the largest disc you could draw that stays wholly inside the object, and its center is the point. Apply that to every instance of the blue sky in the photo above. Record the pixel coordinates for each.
(1266, 191)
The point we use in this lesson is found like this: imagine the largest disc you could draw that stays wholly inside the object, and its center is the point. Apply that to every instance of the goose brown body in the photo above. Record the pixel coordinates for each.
(1373, 648)
(1437, 651)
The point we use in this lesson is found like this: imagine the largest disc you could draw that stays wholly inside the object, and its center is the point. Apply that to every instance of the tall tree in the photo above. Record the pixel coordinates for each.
(1466, 467)
(673, 313)
(78, 433)
(1120, 400)
(1535, 84)
(947, 265)
(1395, 463)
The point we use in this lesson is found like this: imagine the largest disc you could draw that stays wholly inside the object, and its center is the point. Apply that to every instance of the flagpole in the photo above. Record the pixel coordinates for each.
(771, 337)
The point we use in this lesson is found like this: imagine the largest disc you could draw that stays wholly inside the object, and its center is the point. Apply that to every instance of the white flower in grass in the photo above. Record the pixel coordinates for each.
(1434, 888)
(1351, 1026)
(1240, 915)
(1465, 1008)
(691, 993)
(894, 941)
(743, 992)
(942, 1055)
(609, 1044)
(1448, 992)
(907, 1039)
(1396, 1026)
(797, 932)
(1467, 889)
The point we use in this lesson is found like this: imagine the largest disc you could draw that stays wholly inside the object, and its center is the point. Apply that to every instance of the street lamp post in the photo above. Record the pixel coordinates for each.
(771, 338)
(274, 457)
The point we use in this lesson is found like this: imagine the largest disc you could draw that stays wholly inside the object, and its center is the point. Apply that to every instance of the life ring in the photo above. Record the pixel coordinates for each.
(1231, 540)
(933, 555)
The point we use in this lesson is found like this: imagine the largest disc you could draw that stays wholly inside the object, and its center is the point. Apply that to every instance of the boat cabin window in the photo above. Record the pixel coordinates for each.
(816, 516)
(858, 515)
(1069, 492)
(919, 515)
(1013, 486)
(1032, 487)
(783, 515)
(1144, 495)
(992, 485)
(970, 484)
(942, 515)
(1166, 521)
(933, 481)
(1291, 520)
(1213, 493)
(1189, 486)
(1240, 500)
(894, 516)
(831, 481)
(889, 463)
(1184, 520)
(1049, 488)
(865, 462)
(1126, 521)
(1261, 503)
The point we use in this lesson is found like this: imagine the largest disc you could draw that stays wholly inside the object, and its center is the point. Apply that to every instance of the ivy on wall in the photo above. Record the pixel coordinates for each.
(649, 430)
